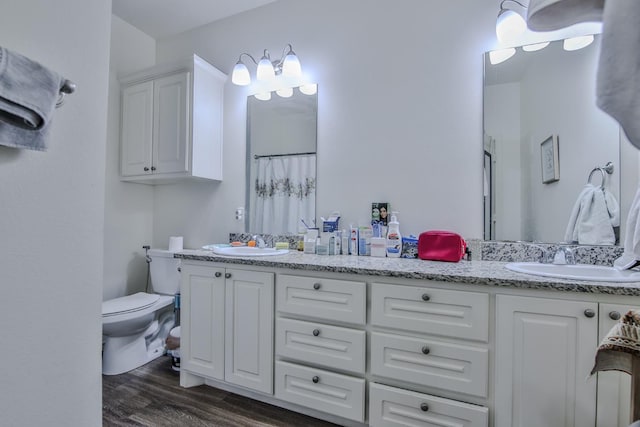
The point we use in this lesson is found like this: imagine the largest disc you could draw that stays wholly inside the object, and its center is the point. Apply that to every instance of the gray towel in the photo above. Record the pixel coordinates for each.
(28, 96)
(618, 83)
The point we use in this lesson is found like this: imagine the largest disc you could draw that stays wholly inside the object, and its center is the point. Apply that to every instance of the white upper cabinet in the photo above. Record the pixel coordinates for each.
(171, 125)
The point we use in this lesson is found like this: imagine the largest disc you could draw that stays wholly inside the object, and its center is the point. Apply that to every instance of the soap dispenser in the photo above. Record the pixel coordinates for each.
(394, 238)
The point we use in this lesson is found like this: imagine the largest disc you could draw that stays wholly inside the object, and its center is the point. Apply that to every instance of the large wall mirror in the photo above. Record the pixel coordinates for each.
(534, 103)
(281, 162)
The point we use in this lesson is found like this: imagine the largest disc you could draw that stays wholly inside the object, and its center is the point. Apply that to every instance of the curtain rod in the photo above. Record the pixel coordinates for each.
(255, 156)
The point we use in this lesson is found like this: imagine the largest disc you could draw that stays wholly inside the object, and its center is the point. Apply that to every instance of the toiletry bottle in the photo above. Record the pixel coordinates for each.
(394, 238)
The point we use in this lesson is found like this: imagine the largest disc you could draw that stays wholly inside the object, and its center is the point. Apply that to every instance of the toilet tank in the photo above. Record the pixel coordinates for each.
(165, 277)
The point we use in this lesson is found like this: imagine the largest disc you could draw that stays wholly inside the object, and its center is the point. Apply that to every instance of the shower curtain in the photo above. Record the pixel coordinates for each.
(284, 192)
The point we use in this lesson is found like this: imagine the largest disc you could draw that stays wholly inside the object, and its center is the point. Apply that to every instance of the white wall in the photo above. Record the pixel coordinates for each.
(399, 111)
(128, 207)
(52, 210)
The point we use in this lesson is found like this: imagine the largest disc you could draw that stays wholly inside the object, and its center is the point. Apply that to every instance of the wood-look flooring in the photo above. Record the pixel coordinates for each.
(151, 396)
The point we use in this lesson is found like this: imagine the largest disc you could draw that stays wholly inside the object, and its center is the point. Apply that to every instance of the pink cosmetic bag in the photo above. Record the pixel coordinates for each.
(437, 245)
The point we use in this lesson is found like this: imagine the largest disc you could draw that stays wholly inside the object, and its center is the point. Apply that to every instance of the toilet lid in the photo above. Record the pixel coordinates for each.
(128, 303)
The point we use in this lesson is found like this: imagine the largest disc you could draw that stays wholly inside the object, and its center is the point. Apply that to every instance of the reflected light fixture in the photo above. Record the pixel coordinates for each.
(501, 55)
(534, 47)
(510, 24)
(309, 89)
(285, 92)
(576, 43)
(288, 66)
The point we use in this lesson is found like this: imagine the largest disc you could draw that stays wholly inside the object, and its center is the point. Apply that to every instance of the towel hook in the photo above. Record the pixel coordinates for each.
(68, 87)
(608, 169)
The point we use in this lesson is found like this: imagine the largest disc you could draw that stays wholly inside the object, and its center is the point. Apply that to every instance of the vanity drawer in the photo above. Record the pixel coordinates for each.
(324, 391)
(454, 367)
(455, 314)
(390, 406)
(319, 344)
(334, 300)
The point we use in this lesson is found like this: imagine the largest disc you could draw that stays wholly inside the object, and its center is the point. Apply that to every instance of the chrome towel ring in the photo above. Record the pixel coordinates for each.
(605, 170)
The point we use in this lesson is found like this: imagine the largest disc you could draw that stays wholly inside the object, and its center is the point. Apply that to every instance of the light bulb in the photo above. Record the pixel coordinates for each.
(263, 96)
(309, 89)
(534, 47)
(576, 43)
(509, 26)
(286, 92)
(240, 75)
(498, 56)
(291, 66)
(265, 70)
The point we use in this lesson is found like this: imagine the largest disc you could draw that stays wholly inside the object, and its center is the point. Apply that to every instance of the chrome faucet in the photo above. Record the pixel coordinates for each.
(259, 242)
(564, 255)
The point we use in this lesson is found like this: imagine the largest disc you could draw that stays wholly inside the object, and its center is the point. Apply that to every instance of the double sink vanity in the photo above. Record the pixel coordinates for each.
(389, 342)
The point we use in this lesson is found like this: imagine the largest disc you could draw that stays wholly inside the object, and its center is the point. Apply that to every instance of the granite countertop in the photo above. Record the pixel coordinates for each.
(488, 273)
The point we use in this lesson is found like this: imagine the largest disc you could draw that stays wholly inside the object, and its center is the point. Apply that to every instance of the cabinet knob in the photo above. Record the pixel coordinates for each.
(315, 379)
(179, 269)
(424, 407)
(425, 297)
(614, 315)
(227, 275)
(316, 286)
(153, 168)
(589, 313)
(146, 169)
(426, 350)
(218, 274)
(316, 332)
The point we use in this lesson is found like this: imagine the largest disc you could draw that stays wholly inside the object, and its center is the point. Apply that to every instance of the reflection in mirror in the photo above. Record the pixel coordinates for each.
(281, 163)
(528, 99)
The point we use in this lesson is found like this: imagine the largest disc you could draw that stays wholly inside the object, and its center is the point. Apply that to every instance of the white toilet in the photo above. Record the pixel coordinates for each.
(135, 327)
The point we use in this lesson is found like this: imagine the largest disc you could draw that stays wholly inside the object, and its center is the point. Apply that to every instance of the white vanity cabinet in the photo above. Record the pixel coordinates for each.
(171, 123)
(227, 319)
(428, 337)
(545, 351)
(321, 344)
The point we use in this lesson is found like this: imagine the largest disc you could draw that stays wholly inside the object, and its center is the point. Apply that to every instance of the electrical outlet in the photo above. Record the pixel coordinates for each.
(239, 214)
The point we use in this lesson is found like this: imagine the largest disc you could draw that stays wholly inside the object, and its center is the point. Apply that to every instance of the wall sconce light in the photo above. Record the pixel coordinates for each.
(510, 24)
(288, 66)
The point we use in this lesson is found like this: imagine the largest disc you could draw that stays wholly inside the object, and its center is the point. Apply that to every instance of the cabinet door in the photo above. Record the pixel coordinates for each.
(202, 319)
(544, 353)
(136, 135)
(249, 329)
(171, 124)
(614, 387)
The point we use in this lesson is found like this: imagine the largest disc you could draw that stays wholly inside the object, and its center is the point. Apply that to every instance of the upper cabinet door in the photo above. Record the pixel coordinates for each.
(171, 123)
(136, 135)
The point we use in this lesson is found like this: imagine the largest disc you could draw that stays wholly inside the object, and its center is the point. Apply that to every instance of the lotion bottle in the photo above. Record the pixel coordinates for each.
(394, 238)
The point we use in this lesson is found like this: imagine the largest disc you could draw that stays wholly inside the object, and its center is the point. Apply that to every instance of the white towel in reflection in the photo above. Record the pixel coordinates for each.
(631, 254)
(618, 81)
(549, 15)
(593, 217)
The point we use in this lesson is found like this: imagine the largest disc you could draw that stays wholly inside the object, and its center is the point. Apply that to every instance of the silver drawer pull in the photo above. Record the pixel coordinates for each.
(227, 275)
(218, 274)
(426, 350)
(589, 313)
(614, 315)
(315, 379)
(316, 332)
(425, 297)
(316, 286)
(424, 407)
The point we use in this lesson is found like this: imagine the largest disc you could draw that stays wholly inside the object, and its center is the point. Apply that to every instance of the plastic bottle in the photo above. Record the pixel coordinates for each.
(394, 238)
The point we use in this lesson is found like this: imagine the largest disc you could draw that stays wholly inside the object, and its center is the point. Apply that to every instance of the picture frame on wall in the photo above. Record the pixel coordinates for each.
(550, 159)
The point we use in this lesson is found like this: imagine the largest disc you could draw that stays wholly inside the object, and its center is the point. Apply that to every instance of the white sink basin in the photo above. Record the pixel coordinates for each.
(242, 251)
(596, 273)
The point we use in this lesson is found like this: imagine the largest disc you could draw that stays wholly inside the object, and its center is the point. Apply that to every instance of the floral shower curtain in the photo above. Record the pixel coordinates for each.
(284, 192)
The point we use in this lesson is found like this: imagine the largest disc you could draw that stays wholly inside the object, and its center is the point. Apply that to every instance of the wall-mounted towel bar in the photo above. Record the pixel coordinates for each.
(608, 169)
(67, 88)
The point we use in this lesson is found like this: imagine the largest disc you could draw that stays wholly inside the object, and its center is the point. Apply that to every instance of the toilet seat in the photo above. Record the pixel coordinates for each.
(128, 304)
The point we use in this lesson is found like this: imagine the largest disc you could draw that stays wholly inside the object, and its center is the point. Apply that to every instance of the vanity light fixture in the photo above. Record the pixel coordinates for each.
(501, 55)
(309, 89)
(534, 47)
(576, 43)
(510, 24)
(288, 66)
